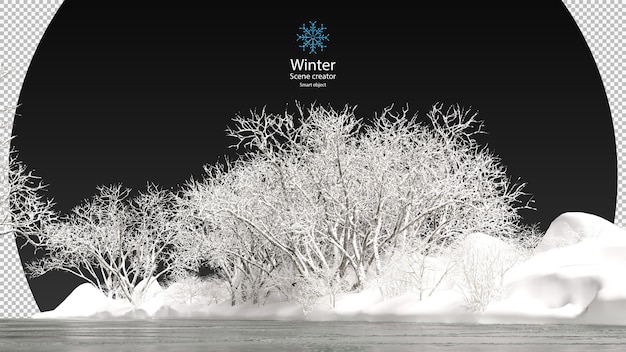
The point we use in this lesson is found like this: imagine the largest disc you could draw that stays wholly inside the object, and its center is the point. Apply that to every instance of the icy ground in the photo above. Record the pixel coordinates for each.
(575, 275)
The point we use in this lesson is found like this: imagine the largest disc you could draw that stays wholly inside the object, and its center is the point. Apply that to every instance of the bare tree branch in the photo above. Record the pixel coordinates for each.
(332, 193)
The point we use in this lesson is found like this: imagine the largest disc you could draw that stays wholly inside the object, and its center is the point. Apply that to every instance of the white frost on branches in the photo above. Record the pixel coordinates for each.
(316, 205)
(326, 199)
(116, 241)
(25, 210)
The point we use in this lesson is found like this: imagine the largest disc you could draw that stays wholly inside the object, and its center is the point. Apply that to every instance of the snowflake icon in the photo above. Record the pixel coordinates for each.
(312, 37)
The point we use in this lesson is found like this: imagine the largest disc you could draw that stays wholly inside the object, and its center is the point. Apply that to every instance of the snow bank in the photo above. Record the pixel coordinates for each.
(574, 227)
(576, 275)
(85, 301)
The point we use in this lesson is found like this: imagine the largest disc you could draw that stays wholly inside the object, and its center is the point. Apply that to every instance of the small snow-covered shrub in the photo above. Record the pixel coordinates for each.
(307, 291)
(417, 273)
(192, 289)
(481, 262)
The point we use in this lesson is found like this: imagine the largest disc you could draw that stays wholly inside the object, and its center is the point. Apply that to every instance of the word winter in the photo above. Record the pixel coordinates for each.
(306, 65)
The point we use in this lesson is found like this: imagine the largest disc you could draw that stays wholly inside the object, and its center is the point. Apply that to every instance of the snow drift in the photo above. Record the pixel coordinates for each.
(575, 275)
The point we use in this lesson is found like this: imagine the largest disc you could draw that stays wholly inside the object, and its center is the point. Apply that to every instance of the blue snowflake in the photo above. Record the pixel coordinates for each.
(313, 37)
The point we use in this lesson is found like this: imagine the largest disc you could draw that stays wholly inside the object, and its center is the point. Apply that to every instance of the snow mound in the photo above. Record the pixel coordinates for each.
(573, 227)
(577, 275)
(86, 301)
(147, 289)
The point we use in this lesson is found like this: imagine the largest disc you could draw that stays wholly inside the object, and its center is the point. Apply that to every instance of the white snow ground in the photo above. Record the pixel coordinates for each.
(575, 275)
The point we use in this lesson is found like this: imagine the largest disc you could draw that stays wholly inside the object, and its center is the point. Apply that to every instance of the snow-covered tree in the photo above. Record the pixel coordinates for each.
(245, 261)
(28, 211)
(116, 241)
(336, 196)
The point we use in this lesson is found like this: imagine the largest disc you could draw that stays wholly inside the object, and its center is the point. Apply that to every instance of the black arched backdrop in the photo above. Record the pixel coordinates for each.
(135, 93)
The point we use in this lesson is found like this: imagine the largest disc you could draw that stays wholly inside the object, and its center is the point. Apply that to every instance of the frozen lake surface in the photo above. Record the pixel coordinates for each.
(212, 335)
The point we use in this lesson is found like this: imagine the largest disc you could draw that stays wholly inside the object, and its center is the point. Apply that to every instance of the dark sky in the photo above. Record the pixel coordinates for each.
(136, 93)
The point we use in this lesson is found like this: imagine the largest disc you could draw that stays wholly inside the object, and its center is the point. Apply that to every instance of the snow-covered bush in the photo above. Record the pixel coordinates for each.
(308, 290)
(332, 195)
(481, 263)
(192, 289)
(416, 273)
(115, 241)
